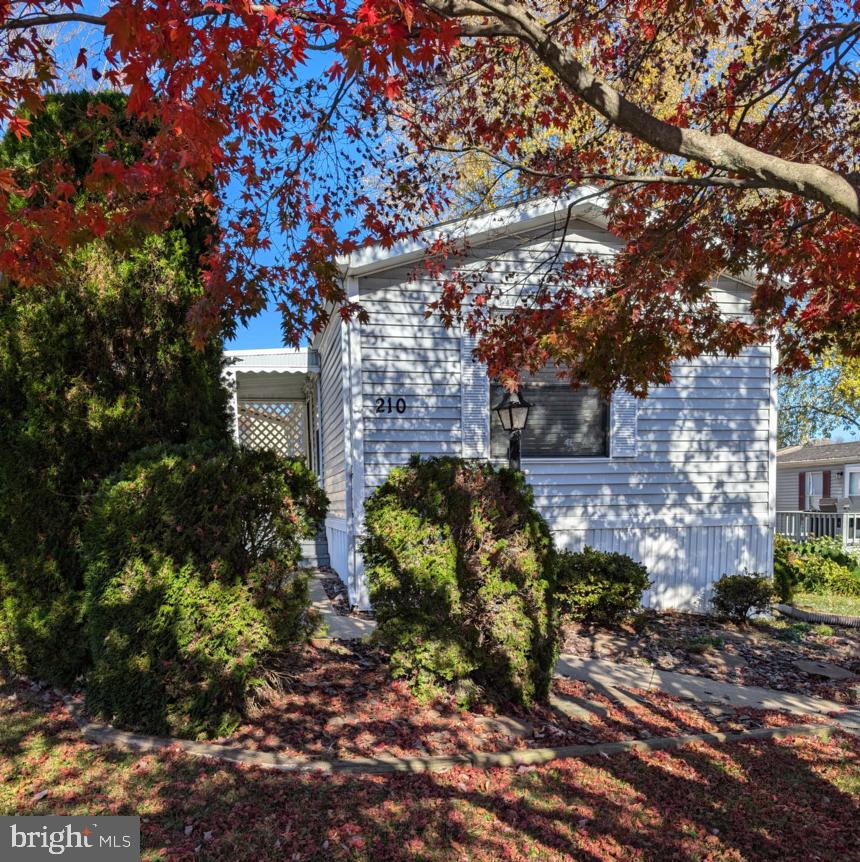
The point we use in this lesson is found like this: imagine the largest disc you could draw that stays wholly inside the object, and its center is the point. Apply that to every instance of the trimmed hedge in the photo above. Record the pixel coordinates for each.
(458, 563)
(175, 653)
(598, 586)
(191, 583)
(735, 596)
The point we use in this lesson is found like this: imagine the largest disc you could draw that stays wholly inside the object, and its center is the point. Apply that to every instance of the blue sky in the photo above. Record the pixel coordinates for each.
(263, 331)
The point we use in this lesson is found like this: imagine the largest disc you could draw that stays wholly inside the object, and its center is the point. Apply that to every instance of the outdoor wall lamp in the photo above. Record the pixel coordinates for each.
(513, 413)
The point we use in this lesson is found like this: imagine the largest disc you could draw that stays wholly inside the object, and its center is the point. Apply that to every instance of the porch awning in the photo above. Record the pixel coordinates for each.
(281, 360)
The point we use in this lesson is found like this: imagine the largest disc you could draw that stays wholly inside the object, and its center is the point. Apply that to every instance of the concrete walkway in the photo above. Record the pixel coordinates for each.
(336, 626)
(700, 688)
(616, 677)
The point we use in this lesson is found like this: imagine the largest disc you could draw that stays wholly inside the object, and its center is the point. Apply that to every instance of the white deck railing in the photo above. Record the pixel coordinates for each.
(801, 526)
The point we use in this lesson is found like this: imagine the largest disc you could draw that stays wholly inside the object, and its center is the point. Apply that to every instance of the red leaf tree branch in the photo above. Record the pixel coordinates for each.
(723, 138)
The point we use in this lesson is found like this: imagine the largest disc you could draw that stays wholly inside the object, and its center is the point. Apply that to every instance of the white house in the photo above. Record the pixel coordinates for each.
(683, 481)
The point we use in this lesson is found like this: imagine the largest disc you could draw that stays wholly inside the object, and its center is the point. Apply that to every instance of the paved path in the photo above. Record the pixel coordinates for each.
(615, 676)
(336, 626)
(700, 688)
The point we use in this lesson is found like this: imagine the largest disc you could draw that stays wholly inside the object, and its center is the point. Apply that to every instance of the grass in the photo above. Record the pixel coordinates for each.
(828, 603)
(705, 643)
(788, 800)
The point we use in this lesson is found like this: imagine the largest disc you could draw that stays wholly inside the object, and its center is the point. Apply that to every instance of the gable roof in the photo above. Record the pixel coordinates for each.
(586, 202)
(818, 453)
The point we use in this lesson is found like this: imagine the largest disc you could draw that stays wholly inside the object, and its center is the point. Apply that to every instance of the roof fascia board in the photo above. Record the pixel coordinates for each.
(818, 462)
(479, 229)
(586, 203)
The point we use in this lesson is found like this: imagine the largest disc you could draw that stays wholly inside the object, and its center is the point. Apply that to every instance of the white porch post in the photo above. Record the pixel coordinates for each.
(230, 380)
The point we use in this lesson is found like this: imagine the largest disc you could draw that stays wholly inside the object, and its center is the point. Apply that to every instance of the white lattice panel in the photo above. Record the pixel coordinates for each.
(277, 425)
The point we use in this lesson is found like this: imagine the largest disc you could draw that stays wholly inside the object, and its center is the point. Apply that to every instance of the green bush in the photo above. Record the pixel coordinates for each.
(816, 573)
(735, 596)
(599, 586)
(830, 549)
(41, 627)
(175, 653)
(786, 567)
(95, 363)
(817, 566)
(191, 583)
(459, 567)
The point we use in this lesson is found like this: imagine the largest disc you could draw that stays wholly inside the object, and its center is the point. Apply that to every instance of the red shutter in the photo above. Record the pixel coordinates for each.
(801, 491)
(825, 484)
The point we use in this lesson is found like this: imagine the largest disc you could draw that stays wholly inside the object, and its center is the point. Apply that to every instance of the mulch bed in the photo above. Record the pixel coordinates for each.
(762, 653)
(343, 704)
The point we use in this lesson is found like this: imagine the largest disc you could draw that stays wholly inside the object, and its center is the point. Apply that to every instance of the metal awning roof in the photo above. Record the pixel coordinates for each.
(282, 360)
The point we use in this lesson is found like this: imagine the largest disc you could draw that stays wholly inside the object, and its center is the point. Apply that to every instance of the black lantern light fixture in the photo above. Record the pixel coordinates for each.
(513, 413)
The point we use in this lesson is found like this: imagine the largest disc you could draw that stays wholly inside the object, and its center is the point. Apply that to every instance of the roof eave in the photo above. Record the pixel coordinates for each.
(821, 462)
(587, 201)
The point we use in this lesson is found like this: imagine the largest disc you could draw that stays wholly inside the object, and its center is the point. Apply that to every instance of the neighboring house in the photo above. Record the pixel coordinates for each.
(818, 491)
(820, 469)
(683, 481)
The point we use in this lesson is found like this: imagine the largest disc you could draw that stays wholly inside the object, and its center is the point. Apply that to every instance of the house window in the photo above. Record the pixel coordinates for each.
(563, 422)
(853, 484)
(814, 484)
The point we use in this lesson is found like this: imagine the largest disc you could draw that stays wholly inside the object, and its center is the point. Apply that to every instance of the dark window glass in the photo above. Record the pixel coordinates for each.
(562, 423)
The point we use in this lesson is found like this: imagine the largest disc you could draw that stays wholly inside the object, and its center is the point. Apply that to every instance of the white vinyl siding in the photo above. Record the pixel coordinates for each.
(404, 356)
(687, 486)
(695, 456)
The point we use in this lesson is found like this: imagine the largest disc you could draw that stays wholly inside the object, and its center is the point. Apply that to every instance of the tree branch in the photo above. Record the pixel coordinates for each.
(53, 18)
(619, 179)
(720, 151)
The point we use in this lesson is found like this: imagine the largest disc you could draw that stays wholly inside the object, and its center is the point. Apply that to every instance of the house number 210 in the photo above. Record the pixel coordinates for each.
(386, 405)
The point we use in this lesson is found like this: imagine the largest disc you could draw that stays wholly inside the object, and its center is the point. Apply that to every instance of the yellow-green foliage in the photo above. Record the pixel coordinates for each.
(459, 566)
(599, 586)
(191, 583)
(819, 565)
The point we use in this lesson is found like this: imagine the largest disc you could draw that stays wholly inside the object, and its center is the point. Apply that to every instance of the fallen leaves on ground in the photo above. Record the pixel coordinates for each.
(343, 704)
(793, 800)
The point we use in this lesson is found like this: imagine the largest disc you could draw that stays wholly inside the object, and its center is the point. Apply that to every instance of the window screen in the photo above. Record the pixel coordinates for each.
(562, 423)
